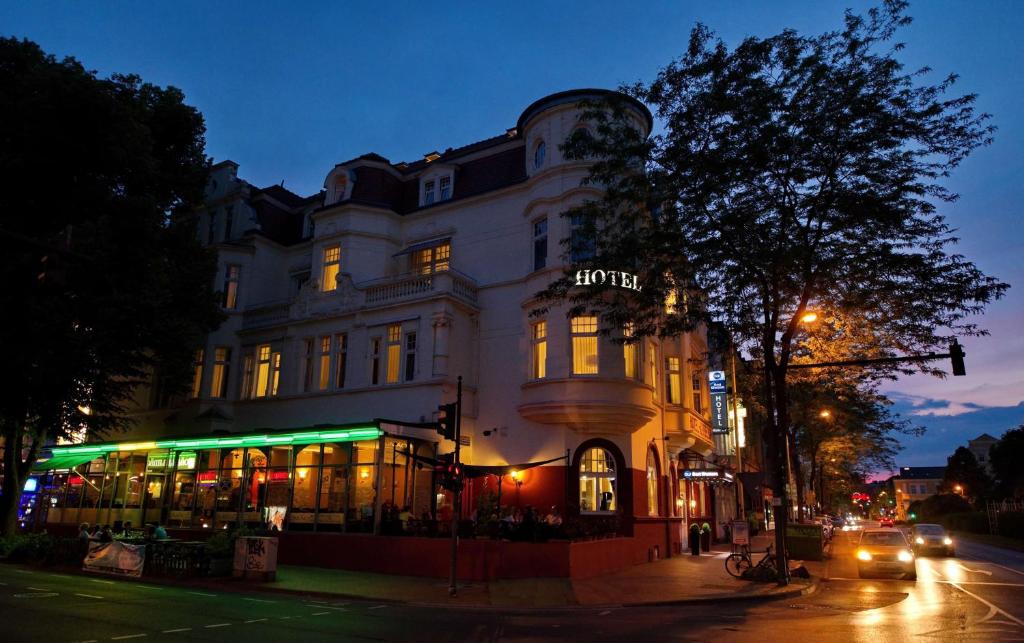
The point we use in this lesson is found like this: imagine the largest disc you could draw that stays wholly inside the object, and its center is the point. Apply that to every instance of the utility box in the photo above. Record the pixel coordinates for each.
(805, 541)
(256, 558)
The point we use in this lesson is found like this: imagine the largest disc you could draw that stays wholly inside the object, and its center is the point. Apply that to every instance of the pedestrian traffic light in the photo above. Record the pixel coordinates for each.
(956, 355)
(451, 479)
(446, 421)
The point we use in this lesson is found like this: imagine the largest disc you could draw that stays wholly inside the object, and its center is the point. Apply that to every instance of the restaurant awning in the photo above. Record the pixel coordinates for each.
(480, 470)
(423, 245)
(63, 461)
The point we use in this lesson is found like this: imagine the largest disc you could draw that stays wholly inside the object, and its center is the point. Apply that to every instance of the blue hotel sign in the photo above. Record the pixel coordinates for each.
(719, 403)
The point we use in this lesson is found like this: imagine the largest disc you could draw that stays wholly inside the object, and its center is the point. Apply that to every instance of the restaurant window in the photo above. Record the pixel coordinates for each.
(445, 183)
(410, 357)
(364, 474)
(540, 243)
(331, 266)
(652, 483)
(430, 260)
(133, 483)
(375, 360)
(333, 487)
(582, 240)
(394, 352)
(584, 345)
(307, 463)
(340, 359)
(597, 481)
(221, 365)
(698, 393)
(630, 353)
(197, 373)
(673, 381)
(539, 350)
(254, 483)
(279, 484)
(232, 278)
(325, 362)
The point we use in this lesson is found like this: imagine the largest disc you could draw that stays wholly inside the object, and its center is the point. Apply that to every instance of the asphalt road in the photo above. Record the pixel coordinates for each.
(978, 596)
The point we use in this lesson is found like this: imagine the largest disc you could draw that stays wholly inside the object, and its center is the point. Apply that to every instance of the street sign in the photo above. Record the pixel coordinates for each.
(740, 532)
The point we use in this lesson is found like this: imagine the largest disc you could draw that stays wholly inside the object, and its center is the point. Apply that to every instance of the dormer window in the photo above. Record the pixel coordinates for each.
(437, 186)
(446, 187)
(340, 184)
(428, 192)
(539, 153)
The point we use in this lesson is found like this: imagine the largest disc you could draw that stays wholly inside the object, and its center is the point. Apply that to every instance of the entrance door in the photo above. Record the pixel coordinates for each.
(154, 501)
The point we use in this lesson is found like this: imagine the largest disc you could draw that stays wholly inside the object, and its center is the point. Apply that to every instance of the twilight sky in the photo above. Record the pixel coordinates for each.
(288, 92)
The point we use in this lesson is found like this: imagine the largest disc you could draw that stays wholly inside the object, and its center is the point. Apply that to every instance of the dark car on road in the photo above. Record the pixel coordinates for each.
(931, 539)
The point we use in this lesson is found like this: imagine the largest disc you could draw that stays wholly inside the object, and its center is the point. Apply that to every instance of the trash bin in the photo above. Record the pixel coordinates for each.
(694, 540)
(256, 558)
(805, 541)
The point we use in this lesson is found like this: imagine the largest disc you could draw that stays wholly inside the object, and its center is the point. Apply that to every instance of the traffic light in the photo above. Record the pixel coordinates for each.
(446, 421)
(956, 355)
(451, 477)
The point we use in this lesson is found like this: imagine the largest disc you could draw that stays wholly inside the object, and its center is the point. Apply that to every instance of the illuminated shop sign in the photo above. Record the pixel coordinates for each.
(719, 403)
(708, 475)
(610, 277)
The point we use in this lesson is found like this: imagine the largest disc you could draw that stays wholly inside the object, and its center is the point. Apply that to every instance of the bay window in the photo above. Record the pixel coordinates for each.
(584, 345)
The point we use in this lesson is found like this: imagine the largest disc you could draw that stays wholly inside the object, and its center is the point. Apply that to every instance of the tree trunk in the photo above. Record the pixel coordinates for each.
(781, 399)
(10, 500)
(799, 471)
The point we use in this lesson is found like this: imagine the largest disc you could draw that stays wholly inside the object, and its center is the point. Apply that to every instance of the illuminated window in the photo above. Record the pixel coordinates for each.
(431, 260)
(325, 363)
(539, 350)
(540, 243)
(584, 345)
(652, 483)
(221, 364)
(428, 192)
(445, 183)
(262, 374)
(197, 373)
(410, 356)
(232, 276)
(582, 241)
(597, 481)
(340, 359)
(308, 363)
(652, 362)
(673, 381)
(394, 350)
(631, 354)
(539, 153)
(375, 358)
(263, 368)
(331, 267)
(698, 393)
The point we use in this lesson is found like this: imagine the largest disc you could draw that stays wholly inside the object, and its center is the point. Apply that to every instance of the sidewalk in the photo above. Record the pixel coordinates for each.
(678, 580)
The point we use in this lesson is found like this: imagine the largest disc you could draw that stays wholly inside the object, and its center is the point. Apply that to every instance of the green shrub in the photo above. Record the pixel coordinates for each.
(1011, 524)
(975, 522)
(26, 548)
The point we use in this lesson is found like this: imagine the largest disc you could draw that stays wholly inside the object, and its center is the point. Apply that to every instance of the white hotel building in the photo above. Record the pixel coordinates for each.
(361, 305)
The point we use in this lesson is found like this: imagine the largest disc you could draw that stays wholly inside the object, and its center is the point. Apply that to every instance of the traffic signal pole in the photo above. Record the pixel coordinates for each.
(456, 495)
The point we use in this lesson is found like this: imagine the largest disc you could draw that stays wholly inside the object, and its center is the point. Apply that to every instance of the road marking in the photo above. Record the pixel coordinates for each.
(59, 575)
(129, 636)
(203, 594)
(39, 589)
(37, 595)
(339, 604)
(285, 618)
(255, 620)
(105, 582)
(180, 629)
(328, 607)
(973, 571)
(605, 613)
(216, 625)
(24, 571)
(991, 606)
(258, 600)
(153, 587)
(309, 600)
(319, 613)
(100, 598)
(377, 607)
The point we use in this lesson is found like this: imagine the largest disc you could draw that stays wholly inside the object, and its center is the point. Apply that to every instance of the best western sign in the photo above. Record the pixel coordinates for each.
(611, 277)
(719, 403)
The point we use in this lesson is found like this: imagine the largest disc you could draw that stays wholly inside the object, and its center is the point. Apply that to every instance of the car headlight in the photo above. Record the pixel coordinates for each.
(919, 540)
(947, 541)
(905, 556)
(863, 554)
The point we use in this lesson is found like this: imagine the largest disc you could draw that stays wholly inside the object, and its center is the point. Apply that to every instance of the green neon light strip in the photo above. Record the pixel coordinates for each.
(306, 437)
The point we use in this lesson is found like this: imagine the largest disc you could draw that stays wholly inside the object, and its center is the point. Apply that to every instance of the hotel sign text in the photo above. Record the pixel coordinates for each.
(611, 277)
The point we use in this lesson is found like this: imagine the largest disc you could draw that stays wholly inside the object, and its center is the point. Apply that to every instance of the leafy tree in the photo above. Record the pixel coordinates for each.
(963, 470)
(794, 173)
(104, 278)
(1006, 456)
(934, 507)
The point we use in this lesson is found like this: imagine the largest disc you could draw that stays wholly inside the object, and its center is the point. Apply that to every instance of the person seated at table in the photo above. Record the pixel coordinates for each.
(83, 533)
(126, 529)
(159, 532)
(105, 536)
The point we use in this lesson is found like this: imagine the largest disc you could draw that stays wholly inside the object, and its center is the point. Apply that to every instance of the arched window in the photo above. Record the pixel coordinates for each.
(597, 481)
(652, 483)
(539, 153)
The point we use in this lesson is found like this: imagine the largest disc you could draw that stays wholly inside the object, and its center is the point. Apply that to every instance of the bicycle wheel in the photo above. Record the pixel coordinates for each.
(736, 564)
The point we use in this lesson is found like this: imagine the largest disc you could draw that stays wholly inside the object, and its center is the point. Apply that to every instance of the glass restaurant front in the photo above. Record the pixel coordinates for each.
(323, 480)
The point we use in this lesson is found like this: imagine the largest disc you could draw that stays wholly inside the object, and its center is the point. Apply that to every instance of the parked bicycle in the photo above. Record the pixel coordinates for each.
(740, 565)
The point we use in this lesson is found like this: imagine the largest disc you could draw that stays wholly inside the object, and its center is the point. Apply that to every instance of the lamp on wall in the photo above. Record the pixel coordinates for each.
(517, 477)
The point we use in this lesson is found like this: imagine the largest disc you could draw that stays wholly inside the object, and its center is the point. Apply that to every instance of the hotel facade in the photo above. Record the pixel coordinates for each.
(350, 315)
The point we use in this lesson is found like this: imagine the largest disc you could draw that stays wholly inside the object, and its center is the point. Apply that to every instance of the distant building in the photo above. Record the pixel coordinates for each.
(980, 447)
(915, 483)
